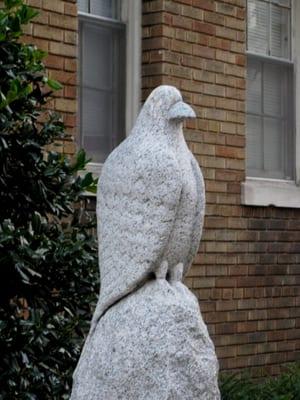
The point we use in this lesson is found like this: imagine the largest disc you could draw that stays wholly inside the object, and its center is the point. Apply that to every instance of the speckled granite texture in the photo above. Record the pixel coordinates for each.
(147, 339)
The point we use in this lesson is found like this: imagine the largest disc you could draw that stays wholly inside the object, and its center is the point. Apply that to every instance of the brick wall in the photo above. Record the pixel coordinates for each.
(246, 274)
(55, 31)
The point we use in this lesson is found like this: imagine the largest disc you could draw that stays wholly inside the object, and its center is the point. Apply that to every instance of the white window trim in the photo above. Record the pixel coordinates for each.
(131, 15)
(277, 192)
(133, 62)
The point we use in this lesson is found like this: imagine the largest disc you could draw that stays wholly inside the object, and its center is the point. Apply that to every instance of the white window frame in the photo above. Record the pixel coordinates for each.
(278, 192)
(131, 14)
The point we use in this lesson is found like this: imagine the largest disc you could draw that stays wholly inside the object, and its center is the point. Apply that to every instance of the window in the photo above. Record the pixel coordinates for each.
(109, 96)
(273, 92)
(270, 121)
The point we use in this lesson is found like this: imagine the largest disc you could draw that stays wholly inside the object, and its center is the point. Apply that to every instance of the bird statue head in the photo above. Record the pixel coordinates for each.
(165, 106)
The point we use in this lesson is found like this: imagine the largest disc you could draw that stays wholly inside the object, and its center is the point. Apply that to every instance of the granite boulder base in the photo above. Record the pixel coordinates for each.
(147, 338)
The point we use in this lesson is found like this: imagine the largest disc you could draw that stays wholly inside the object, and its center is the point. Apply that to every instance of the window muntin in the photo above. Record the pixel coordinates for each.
(269, 90)
(102, 79)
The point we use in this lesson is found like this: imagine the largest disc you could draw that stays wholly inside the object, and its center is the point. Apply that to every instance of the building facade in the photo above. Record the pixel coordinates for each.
(236, 62)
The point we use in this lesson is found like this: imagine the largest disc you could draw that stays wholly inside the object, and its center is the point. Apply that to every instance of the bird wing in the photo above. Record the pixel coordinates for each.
(138, 195)
(199, 214)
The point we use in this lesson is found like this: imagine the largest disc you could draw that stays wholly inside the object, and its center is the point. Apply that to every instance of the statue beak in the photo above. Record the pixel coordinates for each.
(181, 111)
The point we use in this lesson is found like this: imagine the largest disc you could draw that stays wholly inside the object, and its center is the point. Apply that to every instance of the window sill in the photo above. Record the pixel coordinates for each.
(270, 192)
(94, 168)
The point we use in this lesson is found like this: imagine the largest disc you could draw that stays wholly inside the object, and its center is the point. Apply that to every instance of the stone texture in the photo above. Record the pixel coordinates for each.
(153, 345)
(147, 338)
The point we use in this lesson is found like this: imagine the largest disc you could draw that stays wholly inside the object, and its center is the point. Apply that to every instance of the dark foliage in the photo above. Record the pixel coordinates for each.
(283, 387)
(48, 255)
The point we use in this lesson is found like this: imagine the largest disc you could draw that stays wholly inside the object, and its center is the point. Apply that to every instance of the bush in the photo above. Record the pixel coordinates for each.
(283, 387)
(48, 254)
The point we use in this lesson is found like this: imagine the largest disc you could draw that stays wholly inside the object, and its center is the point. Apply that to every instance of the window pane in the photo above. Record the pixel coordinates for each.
(258, 22)
(106, 8)
(96, 118)
(254, 143)
(273, 89)
(102, 88)
(270, 137)
(280, 32)
(254, 83)
(97, 56)
(273, 147)
(83, 5)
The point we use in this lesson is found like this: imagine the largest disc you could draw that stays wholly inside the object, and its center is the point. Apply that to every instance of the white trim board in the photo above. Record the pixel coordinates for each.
(133, 61)
(296, 94)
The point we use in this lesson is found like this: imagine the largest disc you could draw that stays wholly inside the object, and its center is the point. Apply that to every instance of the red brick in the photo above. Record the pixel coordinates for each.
(63, 21)
(204, 4)
(54, 62)
(70, 9)
(204, 27)
(54, 5)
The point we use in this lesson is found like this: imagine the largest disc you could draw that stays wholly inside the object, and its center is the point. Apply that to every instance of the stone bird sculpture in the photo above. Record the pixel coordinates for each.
(150, 209)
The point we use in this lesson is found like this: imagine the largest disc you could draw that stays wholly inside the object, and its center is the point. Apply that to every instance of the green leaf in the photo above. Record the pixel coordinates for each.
(92, 188)
(55, 85)
(12, 3)
(87, 179)
(27, 13)
(33, 273)
(3, 142)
